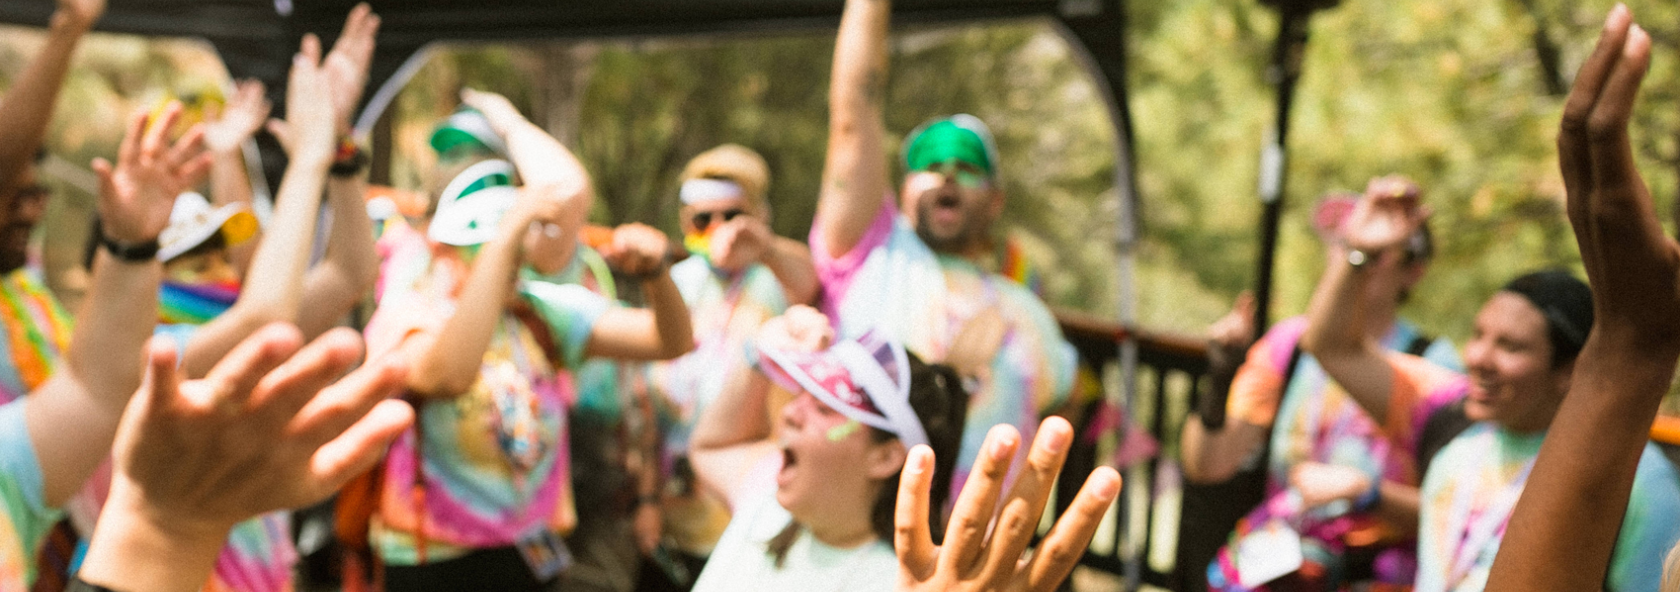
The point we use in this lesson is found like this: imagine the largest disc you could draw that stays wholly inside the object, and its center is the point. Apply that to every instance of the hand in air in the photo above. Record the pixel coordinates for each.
(245, 112)
(1634, 268)
(638, 250)
(346, 66)
(138, 192)
(972, 561)
(1390, 211)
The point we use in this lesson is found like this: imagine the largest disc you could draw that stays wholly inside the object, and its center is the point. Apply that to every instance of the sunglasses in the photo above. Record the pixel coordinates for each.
(703, 220)
(966, 175)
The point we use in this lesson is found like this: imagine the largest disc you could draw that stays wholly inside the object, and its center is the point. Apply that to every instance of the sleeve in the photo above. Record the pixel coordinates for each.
(835, 273)
(1442, 353)
(1257, 389)
(22, 489)
(1650, 528)
(1420, 388)
(570, 311)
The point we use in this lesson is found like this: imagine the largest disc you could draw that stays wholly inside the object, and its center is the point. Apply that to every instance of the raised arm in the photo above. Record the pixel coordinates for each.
(73, 416)
(446, 363)
(1564, 529)
(661, 331)
(1212, 447)
(854, 177)
(225, 138)
(539, 158)
(273, 291)
(28, 105)
(1384, 218)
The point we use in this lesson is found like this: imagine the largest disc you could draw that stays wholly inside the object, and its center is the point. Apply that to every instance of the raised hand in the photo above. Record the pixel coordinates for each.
(244, 114)
(969, 561)
(137, 193)
(1386, 216)
(740, 242)
(310, 114)
(1634, 268)
(346, 66)
(801, 328)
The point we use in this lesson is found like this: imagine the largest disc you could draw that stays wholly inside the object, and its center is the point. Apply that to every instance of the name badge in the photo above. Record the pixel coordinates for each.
(545, 554)
(1268, 553)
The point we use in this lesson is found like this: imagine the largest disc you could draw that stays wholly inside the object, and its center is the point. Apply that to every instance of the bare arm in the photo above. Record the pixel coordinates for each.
(539, 158)
(28, 105)
(1215, 455)
(225, 138)
(1564, 529)
(351, 265)
(661, 331)
(73, 417)
(446, 364)
(854, 179)
(274, 290)
(790, 261)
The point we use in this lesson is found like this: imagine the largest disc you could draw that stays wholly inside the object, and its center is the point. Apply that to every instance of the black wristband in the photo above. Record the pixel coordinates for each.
(130, 252)
(77, 585)
(349, 164)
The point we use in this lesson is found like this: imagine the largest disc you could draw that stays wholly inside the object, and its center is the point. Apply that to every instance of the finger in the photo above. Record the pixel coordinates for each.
(358, 448)
(107, 185)
(1574, 158)
(965, 535)
(1061, 549)
(1612, 153)
(352, 23)
(282, 133)
(190, 145)
(1019, 518)
(194, 170)
(344, 403)
(161, 383)
(154, 139)
(129, 148)
(233, 379)
(310, 49)
(912, 537)
(295, 383)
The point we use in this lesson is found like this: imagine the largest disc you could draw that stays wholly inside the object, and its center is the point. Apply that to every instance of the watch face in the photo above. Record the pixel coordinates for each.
(1358, 258)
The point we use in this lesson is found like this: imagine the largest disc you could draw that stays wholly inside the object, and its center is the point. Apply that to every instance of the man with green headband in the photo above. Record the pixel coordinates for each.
(911, 271)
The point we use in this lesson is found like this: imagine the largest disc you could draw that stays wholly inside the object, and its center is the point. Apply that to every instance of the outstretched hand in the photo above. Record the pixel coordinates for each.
(969, 560)
(268, 428)
(500, 112)
(138, 192)
(1634, 268)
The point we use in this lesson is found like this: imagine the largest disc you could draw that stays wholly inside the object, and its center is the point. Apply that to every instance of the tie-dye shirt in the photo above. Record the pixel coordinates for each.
(727, 310)
(945, 309)
(1472, 487)
(25, 518)
(488, 468)
(37, 332)
(1315, 420)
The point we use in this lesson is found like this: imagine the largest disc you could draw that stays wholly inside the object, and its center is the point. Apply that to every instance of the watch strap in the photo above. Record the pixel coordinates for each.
(131, 252)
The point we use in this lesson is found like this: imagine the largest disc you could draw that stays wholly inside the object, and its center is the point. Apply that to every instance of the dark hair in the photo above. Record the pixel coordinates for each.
(937, 396)
(1566, 303)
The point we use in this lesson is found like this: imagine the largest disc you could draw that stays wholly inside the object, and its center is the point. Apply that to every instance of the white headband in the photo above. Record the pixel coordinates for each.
(694, 190)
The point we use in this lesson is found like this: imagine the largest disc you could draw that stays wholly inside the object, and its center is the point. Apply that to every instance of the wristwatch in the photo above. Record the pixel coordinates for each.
(1359, 259)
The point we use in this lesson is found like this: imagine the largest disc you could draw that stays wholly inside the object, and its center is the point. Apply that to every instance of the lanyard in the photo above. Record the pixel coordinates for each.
(1488, 525)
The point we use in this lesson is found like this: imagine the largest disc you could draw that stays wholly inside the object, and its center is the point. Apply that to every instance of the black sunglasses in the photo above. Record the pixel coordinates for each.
(703, 220)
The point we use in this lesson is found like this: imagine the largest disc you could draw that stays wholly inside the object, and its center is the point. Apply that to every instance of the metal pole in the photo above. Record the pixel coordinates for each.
(1284, 71)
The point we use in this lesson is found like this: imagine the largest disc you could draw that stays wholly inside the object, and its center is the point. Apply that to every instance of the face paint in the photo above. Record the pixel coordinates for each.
(699, 244)
(840, 432)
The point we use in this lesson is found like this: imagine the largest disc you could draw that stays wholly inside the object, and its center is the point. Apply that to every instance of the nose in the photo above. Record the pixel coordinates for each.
(1477, 354)
(796, 410)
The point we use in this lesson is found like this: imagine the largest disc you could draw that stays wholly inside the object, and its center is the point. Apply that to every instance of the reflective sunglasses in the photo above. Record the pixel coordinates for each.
(966, 175)
(703, 220)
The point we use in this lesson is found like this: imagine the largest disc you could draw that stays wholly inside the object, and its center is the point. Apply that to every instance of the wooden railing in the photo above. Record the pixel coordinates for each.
(1164, 531)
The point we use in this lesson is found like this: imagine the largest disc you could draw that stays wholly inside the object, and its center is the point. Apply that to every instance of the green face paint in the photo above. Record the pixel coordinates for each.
(839, 432)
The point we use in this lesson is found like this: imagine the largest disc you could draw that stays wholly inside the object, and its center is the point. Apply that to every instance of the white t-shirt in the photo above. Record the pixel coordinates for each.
(742, 562)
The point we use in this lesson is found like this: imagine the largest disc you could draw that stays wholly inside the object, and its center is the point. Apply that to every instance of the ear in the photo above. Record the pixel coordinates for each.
(885, 459)
(685, 221)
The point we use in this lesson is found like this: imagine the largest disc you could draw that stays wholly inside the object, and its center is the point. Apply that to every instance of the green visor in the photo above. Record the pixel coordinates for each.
(960, 137)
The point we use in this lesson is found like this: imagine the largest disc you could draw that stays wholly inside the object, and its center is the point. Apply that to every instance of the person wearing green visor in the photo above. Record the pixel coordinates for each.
(914, 271)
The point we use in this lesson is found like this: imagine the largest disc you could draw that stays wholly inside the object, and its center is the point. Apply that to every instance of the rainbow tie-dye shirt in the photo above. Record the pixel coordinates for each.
(37, 333)
(25, 518)
(939, 305)
(1468, 495)
(490, 467)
